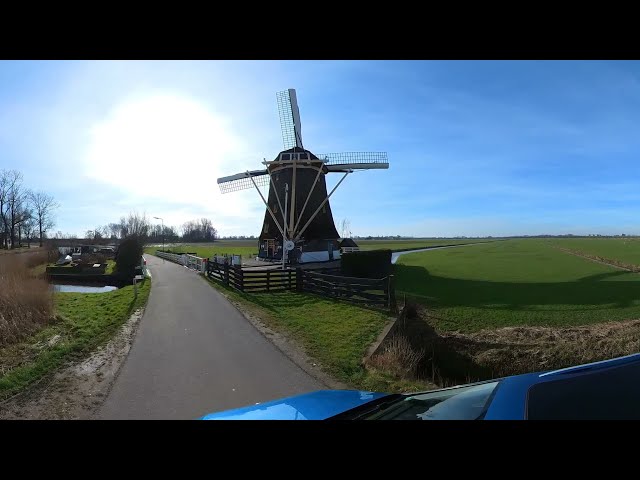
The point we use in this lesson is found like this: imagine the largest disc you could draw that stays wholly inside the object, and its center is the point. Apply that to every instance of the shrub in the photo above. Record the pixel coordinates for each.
(366, 264)
(128, 256)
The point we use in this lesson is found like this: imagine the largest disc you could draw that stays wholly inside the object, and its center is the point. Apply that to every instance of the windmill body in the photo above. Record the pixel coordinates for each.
(298, 225)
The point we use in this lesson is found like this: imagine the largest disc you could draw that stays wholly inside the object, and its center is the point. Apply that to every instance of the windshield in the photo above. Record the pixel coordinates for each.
(464, 403)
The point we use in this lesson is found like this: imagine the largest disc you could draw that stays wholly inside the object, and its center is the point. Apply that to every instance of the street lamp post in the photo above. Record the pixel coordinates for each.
(158, 218)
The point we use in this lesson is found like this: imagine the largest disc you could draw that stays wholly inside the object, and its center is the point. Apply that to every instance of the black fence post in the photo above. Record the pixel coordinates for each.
(226, 274)
(268, 279)
(241, 278)
(289, 279)
(391, 286)
(299, 280)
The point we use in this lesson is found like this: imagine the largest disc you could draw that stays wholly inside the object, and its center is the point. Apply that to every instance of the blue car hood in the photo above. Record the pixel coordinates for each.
(309, 406)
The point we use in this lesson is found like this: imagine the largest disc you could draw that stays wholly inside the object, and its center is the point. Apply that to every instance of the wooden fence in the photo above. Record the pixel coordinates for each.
(369, 291)
(378, 292)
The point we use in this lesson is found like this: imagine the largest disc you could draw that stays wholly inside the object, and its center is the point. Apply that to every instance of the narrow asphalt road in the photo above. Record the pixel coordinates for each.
(194, 353)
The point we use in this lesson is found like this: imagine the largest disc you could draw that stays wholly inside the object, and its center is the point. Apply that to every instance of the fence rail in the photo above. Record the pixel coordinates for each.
(189, 261)
(379, 292)
(358, 290)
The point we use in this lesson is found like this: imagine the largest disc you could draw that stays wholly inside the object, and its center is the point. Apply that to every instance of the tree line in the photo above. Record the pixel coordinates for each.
(24, 214)
(139, 225)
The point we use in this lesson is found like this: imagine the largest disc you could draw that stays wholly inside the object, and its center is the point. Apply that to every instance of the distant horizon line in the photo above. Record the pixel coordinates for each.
(407, 237)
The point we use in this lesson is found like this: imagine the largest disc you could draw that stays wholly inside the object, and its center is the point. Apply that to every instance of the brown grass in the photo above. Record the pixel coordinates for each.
(398, 358)
(455, 357)
(26, 302)
(515, 350)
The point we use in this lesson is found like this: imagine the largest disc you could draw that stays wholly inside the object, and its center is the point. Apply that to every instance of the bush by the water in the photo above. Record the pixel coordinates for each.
(366, 264)
(128, 256)
(26, 302)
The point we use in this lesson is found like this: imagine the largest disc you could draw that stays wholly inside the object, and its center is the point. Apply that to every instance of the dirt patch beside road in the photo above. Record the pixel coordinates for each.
(76, 391)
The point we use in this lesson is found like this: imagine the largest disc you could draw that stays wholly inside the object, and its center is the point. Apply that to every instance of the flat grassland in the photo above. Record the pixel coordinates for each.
(624, 249)
(516, 283)
(250, 247)
(206, 250)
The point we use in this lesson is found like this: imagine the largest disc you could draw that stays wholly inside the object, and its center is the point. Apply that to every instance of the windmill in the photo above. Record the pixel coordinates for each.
(298, 224)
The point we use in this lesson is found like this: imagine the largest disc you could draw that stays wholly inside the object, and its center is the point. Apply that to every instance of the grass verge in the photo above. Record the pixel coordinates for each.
(335, 334)
(83, 321)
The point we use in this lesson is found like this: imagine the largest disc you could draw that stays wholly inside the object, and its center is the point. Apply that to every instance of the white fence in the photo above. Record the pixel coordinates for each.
(228, 259)
(190, 261)
(194, 263)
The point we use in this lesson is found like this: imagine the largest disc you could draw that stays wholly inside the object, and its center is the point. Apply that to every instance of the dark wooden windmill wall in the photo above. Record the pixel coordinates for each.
(322, 229)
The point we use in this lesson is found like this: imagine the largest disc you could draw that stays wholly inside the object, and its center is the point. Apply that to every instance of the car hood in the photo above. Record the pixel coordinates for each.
(309, 406)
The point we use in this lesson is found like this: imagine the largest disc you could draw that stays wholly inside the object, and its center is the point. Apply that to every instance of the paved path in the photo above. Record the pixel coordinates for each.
(194, 353)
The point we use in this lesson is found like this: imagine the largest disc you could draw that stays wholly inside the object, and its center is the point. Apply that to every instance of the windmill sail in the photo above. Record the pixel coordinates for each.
(289, 119)
(242, 181)
(337, 162)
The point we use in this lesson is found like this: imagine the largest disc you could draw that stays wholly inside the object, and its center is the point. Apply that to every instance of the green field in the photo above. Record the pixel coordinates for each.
(247, 248)
(626, 250)
(396, 245)
(516, 282)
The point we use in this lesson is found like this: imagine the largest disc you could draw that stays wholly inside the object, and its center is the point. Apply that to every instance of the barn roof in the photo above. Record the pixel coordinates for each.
(348, 242)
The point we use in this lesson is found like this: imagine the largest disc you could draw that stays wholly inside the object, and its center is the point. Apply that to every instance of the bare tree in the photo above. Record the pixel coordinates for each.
(29, 227)
(199, 231)
(15, 200)
(123, 227)
(114, 230)
(43, 206)
(137, 224)
(4, 207)
(345, 228)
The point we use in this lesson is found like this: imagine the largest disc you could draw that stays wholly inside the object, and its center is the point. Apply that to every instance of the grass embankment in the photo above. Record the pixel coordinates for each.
(336, 334)
(83, 321)
(516, 283)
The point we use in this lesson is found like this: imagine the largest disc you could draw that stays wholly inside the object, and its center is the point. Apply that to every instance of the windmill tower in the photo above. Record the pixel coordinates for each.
(298, 225)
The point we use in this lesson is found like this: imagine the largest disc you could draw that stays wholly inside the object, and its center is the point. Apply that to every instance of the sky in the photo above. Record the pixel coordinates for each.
(476, 148)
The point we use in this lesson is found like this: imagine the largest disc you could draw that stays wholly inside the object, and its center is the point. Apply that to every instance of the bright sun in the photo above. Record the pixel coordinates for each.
(164, 147)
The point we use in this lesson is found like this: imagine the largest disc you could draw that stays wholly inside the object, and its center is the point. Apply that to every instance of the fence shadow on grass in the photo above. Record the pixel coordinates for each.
(597, 290)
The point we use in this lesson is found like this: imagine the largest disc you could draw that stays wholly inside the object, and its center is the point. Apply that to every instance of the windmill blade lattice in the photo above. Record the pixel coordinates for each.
(242, 181)
(354, 160)
(289, 119)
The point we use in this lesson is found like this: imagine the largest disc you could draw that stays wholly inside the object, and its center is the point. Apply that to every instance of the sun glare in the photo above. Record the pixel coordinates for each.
(170, 148)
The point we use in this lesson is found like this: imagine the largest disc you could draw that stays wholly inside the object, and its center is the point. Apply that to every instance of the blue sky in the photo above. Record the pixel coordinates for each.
(475, 147)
